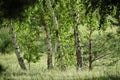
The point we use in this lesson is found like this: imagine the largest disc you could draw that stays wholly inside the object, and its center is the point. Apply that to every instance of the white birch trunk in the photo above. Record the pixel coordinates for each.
(57, 45)
(17, 50)
(77, 38)
(49, 44)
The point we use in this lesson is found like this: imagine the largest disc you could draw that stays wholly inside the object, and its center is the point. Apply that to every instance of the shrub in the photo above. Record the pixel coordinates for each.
(2, 68)
(5, 41)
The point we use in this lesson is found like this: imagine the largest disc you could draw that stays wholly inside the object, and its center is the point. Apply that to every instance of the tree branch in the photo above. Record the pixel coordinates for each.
(99, 57)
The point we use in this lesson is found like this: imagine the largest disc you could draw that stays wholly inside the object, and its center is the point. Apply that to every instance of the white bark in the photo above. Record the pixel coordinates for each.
(57, 45)
(77, 38)
(49, 44)
(17, 50)
(55, 22)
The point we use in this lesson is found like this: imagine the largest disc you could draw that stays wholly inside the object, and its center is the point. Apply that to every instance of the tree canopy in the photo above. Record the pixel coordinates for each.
(104, 8)
(12, 9)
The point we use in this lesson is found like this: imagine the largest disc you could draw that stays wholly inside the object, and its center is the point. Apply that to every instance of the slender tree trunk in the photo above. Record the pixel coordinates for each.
(29, 65)
(78, 48)
(90, 45)
(55, 22)
(49, 44)
(29, 59)
(17, 50)
(57, 45)
(77, 36)
(90, 53)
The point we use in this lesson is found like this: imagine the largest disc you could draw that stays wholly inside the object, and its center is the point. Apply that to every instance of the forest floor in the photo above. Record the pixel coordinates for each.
(38, 71)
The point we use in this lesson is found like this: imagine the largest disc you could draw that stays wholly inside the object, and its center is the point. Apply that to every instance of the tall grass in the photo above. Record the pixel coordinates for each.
(39, 71)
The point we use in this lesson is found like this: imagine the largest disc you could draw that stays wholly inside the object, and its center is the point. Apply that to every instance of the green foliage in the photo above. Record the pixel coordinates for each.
(2, 68)
(105, 8)
(118, 31)
(5, 41)
(91, 15)
(33, 47)
(105, 45)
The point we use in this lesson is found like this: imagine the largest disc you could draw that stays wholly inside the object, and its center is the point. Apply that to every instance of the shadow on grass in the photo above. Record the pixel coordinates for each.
(104, 78)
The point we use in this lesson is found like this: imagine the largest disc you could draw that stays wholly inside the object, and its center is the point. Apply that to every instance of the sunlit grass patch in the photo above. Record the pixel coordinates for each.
(38, 71)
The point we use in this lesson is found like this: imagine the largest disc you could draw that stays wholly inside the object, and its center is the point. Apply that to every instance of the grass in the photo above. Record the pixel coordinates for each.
(39, 71)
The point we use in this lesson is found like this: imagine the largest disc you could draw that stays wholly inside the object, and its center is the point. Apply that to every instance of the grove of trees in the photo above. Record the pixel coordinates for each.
(70, 32)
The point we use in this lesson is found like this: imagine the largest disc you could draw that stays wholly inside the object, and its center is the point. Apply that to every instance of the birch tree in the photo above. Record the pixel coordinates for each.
(13, 10)
(49, 44)
(77, 35)
(58, 50)
(17, 49)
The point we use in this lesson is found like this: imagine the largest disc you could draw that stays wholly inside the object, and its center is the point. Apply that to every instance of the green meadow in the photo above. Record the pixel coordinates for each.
(38, 71)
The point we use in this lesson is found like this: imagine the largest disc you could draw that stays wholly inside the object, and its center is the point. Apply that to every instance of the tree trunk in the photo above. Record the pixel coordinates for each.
(77, 36)
(49, 60)
(17, 50)
(90, 54)
(49, 44)
(78, 48)
(29, 65)
(55, 22)
(57, 45)
(90, 43)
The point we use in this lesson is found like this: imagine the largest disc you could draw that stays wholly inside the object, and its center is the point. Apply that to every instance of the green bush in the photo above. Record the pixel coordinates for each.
(5, 41)
(2, 68)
